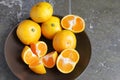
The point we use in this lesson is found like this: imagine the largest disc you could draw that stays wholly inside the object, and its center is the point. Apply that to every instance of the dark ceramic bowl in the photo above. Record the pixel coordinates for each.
(13, 48)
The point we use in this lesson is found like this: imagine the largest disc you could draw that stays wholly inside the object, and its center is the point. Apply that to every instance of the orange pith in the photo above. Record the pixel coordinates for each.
(39, 48)
(49, 60)
(73, 23)
(67, 60)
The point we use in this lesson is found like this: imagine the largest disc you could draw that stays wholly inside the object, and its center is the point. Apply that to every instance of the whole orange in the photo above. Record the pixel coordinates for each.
(41, 12)
(63, 40)
(28, 31)
(51, 27)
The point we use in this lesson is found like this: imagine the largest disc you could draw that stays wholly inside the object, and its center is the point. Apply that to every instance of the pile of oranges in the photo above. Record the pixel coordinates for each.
(60, 31)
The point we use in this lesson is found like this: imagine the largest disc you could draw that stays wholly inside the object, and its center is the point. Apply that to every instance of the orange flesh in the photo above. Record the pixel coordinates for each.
(78, 26)
(73, 23)
(30, 58)
(65, 21)
(48, 61)
(64, 66)
(39, 50)
(33, 48)
(71, 55)
(35, 63)
(42, 48)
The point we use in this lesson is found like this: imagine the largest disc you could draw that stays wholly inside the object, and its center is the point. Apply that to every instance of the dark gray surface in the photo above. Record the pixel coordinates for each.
(102, 26)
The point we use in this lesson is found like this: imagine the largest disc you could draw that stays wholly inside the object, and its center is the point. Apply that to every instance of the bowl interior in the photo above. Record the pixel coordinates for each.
(13, 48)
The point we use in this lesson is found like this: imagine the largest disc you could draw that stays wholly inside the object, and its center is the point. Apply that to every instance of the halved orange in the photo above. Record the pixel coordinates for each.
(67, 60)
(39, 48)
(73, 22)
(49, 60)
(28, 56)
(38, 68)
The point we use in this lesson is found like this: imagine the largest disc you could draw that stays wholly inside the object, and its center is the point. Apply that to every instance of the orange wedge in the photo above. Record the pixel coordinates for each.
(49, 60)
(67, 60)
(74, 23)
(39, 48)
(28, 56)
(37, 68)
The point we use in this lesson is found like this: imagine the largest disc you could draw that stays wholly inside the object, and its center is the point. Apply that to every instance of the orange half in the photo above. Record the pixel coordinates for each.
(67, 60)
(74, 23)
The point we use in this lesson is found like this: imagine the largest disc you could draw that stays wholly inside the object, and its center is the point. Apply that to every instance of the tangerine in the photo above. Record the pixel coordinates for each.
(63, 40)
(28, 31)
(41, 12)
(51, 27)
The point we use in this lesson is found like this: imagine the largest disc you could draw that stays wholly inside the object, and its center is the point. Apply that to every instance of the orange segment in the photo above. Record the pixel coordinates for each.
(28, 56)
(39, 48)
(73, 22)
(37, 68)
(71, 54)
(49, 60)
(65, 66)
(65, 21)
(67, 60)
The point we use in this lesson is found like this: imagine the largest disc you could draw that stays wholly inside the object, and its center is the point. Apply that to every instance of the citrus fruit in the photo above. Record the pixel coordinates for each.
(63, 40)
(37, 68)
(67, 60)
(28, 56)
(41, 12)
(51, 27)
(49, 60)
(39, 48)
(28, 32)
(73, 22)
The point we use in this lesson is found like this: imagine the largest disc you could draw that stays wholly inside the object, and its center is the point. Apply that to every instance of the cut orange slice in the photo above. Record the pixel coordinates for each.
(73, 22)
(39, 48)
(49, 60)
(28, 56)
(37, 68)
(67, 60)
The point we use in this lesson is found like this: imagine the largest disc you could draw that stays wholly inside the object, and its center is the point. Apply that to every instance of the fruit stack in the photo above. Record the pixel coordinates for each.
(60, 31)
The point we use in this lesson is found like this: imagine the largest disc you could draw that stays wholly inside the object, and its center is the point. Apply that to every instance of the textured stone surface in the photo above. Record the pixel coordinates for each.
(102, 26)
